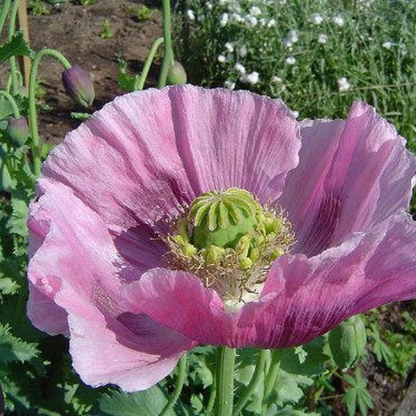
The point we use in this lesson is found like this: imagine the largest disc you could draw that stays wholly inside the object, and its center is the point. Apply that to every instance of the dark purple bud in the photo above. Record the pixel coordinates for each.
(176, 74)
(18, 131)
(78, 85)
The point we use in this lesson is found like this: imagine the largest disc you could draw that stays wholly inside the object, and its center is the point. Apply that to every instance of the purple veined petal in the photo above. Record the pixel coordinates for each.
(303, 297)
(144, 156)
(352, 175)
(75, 279)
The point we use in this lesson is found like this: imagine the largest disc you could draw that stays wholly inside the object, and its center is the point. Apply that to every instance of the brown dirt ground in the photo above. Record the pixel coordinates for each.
(75, 30)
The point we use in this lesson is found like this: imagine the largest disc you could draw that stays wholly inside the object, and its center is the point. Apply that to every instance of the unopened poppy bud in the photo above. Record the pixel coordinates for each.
(18, 130)
(347, 342)
(78, 85)
(176, 74)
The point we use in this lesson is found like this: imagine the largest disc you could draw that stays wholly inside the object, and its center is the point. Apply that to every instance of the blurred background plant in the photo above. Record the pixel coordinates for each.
(316, 55)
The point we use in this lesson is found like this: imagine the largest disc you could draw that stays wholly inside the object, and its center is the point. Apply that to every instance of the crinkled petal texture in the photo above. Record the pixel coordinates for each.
(352, 175)
(147, 154)
(111, 188)
(74, 290)
(302, 298)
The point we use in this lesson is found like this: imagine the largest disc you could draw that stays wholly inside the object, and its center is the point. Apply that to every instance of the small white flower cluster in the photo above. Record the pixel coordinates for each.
(339, 21)
(190, 14)
(317, 19)
(252, 78)
(291, 38)
(343, 84)
(291, 60)
(322, 38)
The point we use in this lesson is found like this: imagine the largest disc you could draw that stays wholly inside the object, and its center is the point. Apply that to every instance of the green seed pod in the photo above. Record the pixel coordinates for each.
(222, 218)
(176, 74)
(347, 342)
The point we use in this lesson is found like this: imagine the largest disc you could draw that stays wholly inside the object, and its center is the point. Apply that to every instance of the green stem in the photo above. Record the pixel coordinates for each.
(12, 27)
(32, 102)
(178, 388)
(271, 378)
(3, 13)
(168, 55)
(12, 102)
(261, 361)
(225, 381)
(213, 394)
(139, 84)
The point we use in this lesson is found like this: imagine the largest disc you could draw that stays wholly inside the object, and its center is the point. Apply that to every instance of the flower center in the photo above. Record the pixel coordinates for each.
(229, 240)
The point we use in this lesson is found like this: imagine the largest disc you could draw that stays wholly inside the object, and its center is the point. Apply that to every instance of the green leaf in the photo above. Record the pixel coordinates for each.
(17, 221)
(14, 349)
(125, 81)
(357, 394)
(81, 116)
(8, 286)
(149, 402)
(307, 360)
(17, 46)
(288, 387)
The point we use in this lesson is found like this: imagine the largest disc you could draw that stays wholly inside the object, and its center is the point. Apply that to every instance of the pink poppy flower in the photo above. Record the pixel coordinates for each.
(104, 271)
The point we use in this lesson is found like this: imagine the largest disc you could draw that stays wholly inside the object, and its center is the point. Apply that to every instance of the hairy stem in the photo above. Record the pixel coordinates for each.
(3, 13)
(213, 394)
(225, 381)
(261, 360)
(139, 84)
(179, 385)
(32, 102)
(168, 55)
(12, 102)
(271, 378)
(12, 28)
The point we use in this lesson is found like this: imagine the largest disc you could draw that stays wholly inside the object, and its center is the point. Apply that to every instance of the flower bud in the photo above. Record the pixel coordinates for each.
(176, 74)
(18, 130)
(78, 85)
(347, 342)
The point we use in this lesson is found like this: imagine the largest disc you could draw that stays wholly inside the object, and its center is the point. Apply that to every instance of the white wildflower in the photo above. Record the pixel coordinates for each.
(291, 38)
(229, 84)
(255, 11)
(343, 84)
(190, 14)
(229, 46)
(387, 45)
(224, 18)
(339, 21)
(295, 114)
(242, 51)
(208, 5)
(253, 78)
(237, 17)
(222, 58)
(276, 79)
(322, 38)
(251, 21)
(317, 19)
(271, 23)
(240, 68)
(291, 60)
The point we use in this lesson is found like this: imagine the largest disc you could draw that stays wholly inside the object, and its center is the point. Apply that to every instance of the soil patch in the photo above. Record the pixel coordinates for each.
(76, 31)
